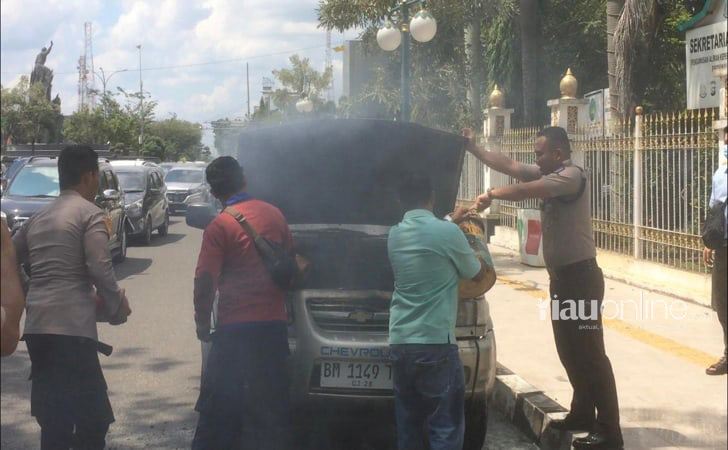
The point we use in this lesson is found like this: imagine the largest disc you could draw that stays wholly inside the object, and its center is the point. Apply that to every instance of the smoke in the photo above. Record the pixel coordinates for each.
(346, 171)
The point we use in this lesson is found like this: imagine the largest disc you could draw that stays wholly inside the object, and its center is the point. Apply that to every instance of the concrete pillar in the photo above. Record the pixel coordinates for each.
(496, 121)
(569, 112)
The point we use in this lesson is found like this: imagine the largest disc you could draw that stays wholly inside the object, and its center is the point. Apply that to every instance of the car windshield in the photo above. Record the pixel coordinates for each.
(131, 181)
(184, 176)
(36, 181)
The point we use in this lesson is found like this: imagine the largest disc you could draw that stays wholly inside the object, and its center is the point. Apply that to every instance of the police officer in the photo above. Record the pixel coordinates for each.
(576, 281)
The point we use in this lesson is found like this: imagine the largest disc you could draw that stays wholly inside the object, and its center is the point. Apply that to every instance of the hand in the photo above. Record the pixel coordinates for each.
(708, 257)
(472, 144)
(483, 201)
(203, 332)
(123, 312)
(459, 214)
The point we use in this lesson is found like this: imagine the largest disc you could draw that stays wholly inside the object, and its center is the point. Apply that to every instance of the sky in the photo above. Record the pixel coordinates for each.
(193, 52)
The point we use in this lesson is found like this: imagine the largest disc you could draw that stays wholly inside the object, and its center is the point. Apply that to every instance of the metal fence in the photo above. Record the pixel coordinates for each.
(650, 180)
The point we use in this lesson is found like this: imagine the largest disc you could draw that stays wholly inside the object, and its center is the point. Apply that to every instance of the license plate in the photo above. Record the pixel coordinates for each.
(357, 375)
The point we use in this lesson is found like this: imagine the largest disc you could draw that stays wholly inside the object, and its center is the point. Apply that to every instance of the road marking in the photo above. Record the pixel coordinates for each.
(667, 345)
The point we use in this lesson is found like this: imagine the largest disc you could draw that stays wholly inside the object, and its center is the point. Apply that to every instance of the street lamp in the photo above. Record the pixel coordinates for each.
(105, 79)
(141, 99)
(422, 27)
(304, 103)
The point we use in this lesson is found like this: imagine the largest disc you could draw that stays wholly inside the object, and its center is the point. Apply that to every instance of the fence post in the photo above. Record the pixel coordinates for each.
(497, 120)
(637, 182)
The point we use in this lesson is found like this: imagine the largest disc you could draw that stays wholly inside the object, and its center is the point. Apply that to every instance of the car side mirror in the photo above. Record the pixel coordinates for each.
(199, 215)
(111, 194)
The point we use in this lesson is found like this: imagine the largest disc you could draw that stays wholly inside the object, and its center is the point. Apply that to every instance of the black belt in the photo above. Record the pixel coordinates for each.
(557, 273)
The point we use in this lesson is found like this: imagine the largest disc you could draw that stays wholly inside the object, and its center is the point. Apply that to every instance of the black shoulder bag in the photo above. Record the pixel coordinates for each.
(285, 270)
(714, 228)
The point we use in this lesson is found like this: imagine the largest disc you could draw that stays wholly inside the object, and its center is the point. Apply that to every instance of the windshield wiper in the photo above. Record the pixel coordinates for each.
(131, 191)
(43, 196)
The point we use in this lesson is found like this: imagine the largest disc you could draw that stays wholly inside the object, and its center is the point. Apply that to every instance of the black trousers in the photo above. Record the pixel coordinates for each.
(68, 393)
(719, 291)
(578, 290)
(244, 401)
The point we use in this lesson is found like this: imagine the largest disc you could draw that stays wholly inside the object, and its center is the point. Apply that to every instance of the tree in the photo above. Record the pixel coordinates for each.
(531, 51)
(27, 116)
(180, 138)
(298, 81)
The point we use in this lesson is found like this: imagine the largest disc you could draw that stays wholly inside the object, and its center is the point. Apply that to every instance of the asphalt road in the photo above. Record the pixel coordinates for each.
(153, 373)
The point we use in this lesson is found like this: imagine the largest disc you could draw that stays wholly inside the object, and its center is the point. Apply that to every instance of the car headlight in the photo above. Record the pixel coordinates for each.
(134, 207)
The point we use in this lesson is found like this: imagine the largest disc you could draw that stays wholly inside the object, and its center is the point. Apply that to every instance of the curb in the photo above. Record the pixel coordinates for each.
(530, 410)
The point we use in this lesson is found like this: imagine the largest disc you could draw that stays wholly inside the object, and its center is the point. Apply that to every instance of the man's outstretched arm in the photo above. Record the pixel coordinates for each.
(495, 161)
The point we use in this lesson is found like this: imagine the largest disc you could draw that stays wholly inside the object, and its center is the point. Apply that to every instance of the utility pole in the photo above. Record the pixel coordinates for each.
(247, 79)
(141, 99)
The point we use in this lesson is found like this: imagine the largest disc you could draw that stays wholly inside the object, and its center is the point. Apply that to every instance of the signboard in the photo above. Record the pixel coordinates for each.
(598, 110)
(705, 55)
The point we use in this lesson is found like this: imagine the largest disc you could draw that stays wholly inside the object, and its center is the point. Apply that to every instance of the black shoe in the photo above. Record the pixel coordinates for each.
(570, 423)
(719, 368)
(599, 441)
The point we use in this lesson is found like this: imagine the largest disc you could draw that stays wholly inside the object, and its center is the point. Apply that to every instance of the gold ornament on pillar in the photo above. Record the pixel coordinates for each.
(568, 85)
(496, 98)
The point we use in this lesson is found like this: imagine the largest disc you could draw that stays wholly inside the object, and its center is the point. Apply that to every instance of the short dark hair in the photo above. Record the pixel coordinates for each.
(557, 139)
(73, 162)
(225, 176)
(414, 190)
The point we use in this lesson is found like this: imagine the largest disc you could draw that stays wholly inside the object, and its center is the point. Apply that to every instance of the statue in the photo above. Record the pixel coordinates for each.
(41, 73)
(41, 58)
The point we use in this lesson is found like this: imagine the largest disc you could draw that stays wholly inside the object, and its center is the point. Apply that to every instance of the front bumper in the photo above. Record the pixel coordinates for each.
(311, 345)
(136, 222)
(178, 201)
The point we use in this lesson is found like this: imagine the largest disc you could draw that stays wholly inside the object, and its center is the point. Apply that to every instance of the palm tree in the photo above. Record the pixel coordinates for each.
(614, 11)
(531, 50)
(628, 23)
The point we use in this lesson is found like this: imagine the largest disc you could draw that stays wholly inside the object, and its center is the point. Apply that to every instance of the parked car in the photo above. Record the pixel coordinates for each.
(336, 185)
(35, 185)
(166, 166)
(186, 184)
(145, 200)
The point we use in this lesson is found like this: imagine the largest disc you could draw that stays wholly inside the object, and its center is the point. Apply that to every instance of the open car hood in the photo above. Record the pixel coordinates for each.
(346, 171)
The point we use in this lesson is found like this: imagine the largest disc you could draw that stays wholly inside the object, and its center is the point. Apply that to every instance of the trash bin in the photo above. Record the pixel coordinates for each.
(530, 239)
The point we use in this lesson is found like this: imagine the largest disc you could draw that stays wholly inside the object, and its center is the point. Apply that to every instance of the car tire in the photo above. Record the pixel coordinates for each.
(123, 245)
(147, 235)
(163, 230)
(476, 424)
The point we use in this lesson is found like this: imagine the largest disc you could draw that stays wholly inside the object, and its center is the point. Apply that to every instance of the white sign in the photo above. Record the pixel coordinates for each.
(705, 54)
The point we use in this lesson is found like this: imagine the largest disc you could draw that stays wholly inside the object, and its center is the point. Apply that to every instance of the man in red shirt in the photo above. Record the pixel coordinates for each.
(244, 394)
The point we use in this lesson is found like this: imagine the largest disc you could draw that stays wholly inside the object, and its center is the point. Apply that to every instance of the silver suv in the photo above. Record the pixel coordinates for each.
(335, 182)
(185, 185)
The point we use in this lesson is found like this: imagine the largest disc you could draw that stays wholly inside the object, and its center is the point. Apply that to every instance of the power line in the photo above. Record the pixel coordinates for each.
(208, 63)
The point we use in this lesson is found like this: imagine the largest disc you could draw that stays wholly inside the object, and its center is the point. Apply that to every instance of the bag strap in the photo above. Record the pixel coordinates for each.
(263, 247)
(240, 218)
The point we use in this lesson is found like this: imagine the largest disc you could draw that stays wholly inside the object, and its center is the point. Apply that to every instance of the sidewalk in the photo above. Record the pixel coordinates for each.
(659, 356)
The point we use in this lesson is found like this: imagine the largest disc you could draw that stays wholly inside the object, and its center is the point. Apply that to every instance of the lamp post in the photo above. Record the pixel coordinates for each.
(422, 27)
(304, 104)
(105, 79)
(141, 99)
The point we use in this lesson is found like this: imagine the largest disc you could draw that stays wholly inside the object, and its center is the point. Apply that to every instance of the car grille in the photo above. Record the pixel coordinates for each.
(369, 314)
(176, 197)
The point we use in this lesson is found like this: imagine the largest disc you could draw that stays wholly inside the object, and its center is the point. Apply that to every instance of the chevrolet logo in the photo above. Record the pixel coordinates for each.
(360, 316)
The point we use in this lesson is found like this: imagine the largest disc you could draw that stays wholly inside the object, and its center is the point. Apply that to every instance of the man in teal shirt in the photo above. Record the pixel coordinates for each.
(428, 257)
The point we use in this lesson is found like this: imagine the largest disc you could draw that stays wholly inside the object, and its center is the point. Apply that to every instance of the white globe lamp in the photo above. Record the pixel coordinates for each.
(389, 37)
(423, 26)
(304, 105)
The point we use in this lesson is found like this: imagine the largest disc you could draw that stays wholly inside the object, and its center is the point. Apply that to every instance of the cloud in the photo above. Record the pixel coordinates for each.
(212, 40)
